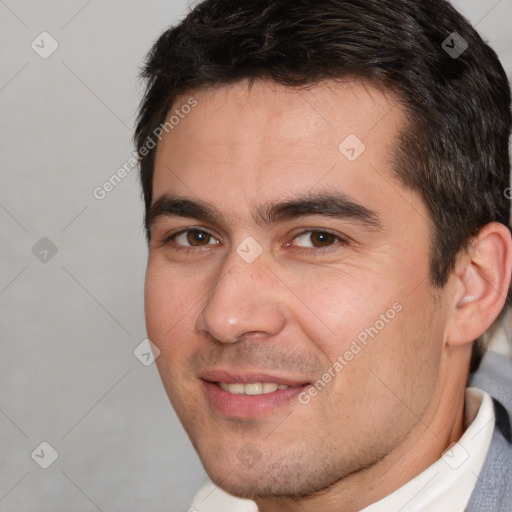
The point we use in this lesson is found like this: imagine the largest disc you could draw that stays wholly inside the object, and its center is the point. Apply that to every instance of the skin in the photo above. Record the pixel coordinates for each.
(399, 403)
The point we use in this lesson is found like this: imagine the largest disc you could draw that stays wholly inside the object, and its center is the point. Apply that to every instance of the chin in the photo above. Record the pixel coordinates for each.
(269, 479)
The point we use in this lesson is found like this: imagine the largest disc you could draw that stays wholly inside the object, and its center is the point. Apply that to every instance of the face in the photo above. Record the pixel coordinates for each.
(287, 285)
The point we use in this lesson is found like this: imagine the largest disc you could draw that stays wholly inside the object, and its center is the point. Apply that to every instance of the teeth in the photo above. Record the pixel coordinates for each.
(254, 388)
(236, 389)
(269, 387)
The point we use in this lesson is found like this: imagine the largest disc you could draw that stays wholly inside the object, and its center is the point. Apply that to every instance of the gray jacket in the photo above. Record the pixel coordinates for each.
(493, 492)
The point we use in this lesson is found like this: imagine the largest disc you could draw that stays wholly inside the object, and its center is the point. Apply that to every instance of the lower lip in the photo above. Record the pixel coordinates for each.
(249, 406)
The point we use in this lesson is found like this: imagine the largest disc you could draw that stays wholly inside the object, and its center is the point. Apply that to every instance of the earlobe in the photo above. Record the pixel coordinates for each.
(482, 280)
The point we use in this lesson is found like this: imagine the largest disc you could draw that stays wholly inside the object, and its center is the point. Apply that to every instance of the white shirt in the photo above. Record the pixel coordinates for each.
(445, 486)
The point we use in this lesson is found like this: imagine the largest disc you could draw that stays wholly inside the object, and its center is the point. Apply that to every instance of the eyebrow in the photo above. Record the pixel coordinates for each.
(336, 205)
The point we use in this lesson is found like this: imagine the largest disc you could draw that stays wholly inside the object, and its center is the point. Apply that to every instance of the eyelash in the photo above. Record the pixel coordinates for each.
(313, 250)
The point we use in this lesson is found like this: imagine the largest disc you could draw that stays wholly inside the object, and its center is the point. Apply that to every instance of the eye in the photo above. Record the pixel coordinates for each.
(193, 238)
(318, 239)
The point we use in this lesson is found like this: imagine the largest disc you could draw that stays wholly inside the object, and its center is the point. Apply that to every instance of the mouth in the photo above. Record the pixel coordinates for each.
(252, 388)
(249, 395)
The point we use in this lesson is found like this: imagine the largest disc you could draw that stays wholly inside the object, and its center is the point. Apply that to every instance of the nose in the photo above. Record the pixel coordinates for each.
(244, 299)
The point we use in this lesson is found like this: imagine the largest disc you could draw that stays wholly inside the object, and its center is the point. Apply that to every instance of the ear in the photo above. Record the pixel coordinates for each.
(482, 278)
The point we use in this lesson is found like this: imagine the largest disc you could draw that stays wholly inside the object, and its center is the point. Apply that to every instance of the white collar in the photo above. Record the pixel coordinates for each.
(445, 485)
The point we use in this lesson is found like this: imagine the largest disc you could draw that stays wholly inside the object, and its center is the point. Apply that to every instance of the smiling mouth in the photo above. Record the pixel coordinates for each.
(251, 388)
(250, 397)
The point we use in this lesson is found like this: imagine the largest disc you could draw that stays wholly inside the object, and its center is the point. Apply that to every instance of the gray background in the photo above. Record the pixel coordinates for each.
(69, 325)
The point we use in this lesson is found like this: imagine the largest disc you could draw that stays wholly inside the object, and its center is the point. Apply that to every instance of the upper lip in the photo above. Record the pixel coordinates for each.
(249, 376)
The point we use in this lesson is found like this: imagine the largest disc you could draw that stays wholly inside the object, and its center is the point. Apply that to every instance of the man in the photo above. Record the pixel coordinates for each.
(326, 209)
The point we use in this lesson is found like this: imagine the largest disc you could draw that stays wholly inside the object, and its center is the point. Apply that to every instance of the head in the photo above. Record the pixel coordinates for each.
(353, 117)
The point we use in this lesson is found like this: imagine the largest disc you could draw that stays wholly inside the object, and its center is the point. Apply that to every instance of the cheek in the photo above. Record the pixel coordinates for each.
(168, 303)
(157, 299)
(169, 311)
(341, 309)
(404, 358)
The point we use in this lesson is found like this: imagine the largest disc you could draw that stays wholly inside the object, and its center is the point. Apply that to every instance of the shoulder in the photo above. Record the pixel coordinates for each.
(493, 492)
(495, 377)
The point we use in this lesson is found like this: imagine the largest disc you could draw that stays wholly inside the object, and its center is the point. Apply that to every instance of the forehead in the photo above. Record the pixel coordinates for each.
(245, 143)
(301, 117)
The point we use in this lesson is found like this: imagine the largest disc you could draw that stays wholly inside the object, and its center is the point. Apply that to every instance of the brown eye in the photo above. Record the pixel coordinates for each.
(198, 238)
(322, 239)
(193, 238)
(317, 238)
